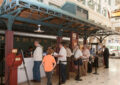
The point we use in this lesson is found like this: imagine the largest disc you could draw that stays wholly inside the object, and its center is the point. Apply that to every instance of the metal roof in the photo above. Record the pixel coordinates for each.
(52, 19)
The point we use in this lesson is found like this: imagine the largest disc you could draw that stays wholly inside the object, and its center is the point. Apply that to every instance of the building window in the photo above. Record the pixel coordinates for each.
(91, 4)
(84, 2)
(104, 12)
(40, 0)
(109, 2)
(98, 8)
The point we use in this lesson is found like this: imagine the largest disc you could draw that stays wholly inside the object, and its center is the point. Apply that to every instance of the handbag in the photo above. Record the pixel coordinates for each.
(79, 61)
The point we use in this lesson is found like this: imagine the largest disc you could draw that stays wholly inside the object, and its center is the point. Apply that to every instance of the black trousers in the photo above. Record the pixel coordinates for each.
(63, 72)
(49, 77)
(106, 61)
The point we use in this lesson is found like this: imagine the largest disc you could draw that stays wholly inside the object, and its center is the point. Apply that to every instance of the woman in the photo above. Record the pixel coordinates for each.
(49, 64)
(86, 55)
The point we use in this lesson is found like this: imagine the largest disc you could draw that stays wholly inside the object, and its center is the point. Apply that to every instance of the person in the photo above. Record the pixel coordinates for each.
(77, 60)
(49, 64)
(86, 55)
(69, 54)
(90, 59)
(29, 53)
(62, 57)
(106, 56)
(37, 56)
(68, 50)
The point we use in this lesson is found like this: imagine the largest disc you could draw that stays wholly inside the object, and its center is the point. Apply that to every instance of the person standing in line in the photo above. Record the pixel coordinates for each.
(49, 64)
(86, 55)
(69, 54)
(78, 59)
(62, 57)
(106, 56)
(37, 56)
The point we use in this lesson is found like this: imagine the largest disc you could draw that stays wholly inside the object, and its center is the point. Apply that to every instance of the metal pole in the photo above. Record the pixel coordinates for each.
(78, 79)
(59, 73)
(2, 73)
(96, 65)
(25, 68)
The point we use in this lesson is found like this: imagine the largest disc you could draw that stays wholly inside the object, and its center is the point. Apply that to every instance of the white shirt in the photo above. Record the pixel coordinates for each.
(37, 55)
(63, 53)
(86, 54)
(69, 53)
(78, 53)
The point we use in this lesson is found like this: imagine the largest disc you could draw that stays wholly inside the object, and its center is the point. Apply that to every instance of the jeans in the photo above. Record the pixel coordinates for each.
(36, 70)
(49, 77)
(63, 72)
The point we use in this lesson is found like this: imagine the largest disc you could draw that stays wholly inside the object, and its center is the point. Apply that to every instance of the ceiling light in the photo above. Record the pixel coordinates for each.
(39, 30)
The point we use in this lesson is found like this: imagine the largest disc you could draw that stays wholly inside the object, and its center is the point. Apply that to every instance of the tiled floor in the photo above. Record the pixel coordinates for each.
(109, 76)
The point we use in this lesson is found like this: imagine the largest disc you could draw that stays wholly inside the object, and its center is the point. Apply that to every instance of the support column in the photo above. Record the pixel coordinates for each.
(73, 39)
(8, 42)
(8, 45)
(85, 39)
(100, 39)
(59, 40)
(8, 48)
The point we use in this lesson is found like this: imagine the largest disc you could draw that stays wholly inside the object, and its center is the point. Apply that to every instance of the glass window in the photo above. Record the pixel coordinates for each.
(109, 2)
(84, 2)
(40, 0)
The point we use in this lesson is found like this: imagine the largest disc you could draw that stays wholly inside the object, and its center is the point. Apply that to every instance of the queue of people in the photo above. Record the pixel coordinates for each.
(81, 57)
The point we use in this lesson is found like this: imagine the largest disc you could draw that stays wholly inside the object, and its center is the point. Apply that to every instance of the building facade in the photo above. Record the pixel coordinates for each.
(99, 10)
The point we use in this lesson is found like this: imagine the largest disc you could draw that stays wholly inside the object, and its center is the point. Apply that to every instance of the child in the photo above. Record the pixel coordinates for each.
(49, 64)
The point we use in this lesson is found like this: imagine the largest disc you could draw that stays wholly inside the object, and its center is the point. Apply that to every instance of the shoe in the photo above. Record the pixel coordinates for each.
(36, 81)
(33, 80)
(106, 67)
(62, 83)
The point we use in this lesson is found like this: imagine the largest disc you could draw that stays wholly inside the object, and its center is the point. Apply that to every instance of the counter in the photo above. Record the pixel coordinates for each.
(29, 65)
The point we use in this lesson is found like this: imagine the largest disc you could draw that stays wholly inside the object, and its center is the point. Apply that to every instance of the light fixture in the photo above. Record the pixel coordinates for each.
(39, 30)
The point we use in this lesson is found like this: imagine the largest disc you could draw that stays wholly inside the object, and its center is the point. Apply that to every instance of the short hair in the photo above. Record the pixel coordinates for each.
(36, 41)
(50, 51)
(62, 43)
(104, 46)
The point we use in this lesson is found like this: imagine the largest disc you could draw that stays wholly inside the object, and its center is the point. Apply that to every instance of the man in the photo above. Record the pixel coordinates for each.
(77, 56)
(62, 57)
(69, 54)
(37, 56)
(86, 55)
(106, 56)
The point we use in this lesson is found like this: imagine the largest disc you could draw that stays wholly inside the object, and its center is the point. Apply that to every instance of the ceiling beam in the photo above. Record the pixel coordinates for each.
(31, 21)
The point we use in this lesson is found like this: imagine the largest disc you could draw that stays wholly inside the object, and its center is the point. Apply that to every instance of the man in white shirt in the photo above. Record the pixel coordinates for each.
(37, 56)
(69, 54)
(62, 57)
(77, 56)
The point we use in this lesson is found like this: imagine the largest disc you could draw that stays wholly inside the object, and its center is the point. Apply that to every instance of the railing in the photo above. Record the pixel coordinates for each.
(79, 79)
